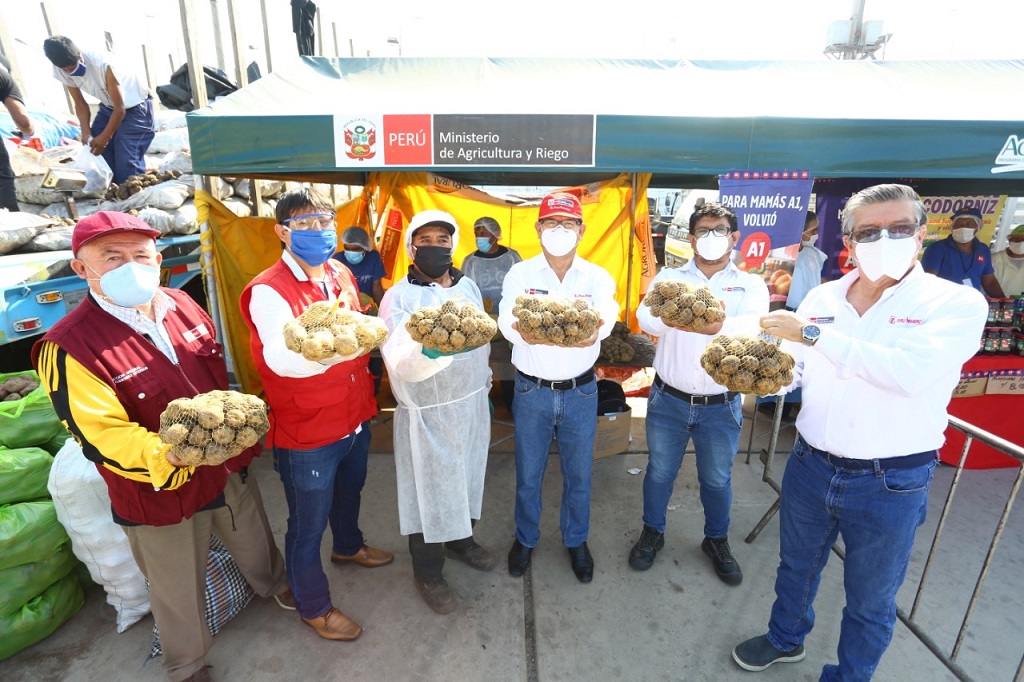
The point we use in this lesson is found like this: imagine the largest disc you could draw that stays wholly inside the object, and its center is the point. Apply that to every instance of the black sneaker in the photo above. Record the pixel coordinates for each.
(758, 653)
(721, 556)
(646, 548)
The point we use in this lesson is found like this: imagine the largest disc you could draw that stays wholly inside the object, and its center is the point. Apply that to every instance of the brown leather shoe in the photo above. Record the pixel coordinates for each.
(369, 557)
(334, 625)
(438, 595)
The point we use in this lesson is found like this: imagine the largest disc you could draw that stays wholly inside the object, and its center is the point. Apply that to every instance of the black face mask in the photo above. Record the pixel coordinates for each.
(433, 261)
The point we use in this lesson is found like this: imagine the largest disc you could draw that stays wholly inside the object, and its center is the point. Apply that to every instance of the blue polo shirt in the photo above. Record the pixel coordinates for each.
(367, 271)
(945, 259)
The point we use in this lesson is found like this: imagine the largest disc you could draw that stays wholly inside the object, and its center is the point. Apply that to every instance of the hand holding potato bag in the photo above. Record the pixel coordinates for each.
(213, 427)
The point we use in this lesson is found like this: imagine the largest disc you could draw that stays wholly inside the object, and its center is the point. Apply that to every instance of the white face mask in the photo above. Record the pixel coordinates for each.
(1016, 248)
(130, 285)
(962, 235)
(712, 247)
(810, 241)
(889, 257)
(558, 241)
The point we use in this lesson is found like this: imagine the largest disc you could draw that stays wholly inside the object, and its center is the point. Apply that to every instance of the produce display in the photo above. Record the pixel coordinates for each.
(17, 387)
(213, 427)
(684, 305)
(136, 183)
(615, 348)
(747, 365)
(451, 327)
(561, 321)
(324, 330)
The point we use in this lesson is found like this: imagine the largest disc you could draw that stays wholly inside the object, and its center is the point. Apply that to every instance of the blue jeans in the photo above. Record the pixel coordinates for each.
(571, 418)
(878, 512)
(715, 430)
(126, 152)
(323, 485)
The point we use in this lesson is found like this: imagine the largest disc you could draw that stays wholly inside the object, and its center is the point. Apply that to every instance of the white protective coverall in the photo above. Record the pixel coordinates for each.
(442, 422)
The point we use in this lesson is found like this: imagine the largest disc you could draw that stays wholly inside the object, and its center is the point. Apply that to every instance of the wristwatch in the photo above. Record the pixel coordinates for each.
(810, 334)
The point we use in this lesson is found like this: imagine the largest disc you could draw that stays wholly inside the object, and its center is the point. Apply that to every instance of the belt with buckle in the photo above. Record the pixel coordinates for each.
(716, 399)
(904, 462)
(562, 384)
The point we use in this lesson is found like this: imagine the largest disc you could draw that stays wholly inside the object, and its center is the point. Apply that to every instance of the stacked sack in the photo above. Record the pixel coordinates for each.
(39, 587)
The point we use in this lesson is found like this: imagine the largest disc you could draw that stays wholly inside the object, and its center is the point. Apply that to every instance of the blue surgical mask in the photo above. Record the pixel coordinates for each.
(483, 244)
(130, 285)
(355, 257)
(315, 247)
(79, 70)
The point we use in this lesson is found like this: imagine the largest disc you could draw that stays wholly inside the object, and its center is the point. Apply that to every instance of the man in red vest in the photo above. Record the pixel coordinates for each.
(319, 410)
(111, 366)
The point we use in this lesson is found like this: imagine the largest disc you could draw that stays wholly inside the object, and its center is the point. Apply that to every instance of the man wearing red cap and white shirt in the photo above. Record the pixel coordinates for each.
(555, 389)
(961, 258)
(111, 366)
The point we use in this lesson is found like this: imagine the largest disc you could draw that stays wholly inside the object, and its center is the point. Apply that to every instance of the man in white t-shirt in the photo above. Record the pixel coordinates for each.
(123, 126)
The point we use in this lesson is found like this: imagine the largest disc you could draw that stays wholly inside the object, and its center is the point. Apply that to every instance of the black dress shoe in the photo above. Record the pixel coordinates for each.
(519, 558)
(582, 563)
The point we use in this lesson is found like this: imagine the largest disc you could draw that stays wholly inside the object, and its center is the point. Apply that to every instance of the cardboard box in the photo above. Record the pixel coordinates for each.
(612, 433)
(972, 384)
(1005, 382)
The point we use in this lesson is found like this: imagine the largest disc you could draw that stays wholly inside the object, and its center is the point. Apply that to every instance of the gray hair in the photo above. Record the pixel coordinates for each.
(880, 194)
(489, 224)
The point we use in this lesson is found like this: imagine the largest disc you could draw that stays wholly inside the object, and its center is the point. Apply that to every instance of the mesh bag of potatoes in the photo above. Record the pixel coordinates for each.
(324, 331)
(213, 427)
(684, 305)
(561, 321)
(452, 327)
(747, 365)
(615, 348)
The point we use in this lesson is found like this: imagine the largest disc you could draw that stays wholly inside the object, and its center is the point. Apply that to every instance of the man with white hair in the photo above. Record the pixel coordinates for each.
(961, 258)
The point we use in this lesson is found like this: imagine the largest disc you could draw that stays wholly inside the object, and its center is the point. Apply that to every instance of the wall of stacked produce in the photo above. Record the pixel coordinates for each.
(452, 327)
(213, 427)
(558, 320)
(683, 305)
(748, 365)
(325, 330)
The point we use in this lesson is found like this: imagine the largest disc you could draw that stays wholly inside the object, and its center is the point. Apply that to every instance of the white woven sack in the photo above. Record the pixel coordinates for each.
(83, 508)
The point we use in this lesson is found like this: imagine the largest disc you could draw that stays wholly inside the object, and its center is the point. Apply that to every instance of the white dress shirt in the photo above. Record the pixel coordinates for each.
(877, 386)
(677, 358)
(583, 280)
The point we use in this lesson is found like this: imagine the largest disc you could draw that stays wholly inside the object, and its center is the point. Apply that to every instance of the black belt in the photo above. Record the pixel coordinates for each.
(716, 399)
(563, 384)
(904, 462)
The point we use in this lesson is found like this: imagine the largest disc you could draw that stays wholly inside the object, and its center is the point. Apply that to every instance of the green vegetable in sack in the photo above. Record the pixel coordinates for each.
(29, 531)
(23, 474)
(37, 619)
(28, 420)
(20, 584)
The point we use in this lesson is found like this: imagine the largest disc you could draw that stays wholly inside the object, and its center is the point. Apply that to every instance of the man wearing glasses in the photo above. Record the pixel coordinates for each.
(319, 410)
(878, 354)
(555, 388)
(685, 403)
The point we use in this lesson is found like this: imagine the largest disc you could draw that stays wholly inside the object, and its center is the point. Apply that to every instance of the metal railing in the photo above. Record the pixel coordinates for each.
(972, 433)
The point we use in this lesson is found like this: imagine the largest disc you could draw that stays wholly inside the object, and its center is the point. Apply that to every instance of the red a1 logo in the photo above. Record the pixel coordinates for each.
(755, 248)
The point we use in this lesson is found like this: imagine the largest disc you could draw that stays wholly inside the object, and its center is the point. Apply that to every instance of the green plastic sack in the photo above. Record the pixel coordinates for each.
(19, 584)
(23, 474)
(30, 421)
(56, 442)
(29, 532)
(37, 619)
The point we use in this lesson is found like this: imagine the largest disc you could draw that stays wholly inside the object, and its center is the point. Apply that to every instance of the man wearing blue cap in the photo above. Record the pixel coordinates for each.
(961, 258)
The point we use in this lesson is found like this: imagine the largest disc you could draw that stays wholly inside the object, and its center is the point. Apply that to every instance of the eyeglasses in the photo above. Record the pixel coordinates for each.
(310, 221)
(873, 234)
(567, 223)
(721, 231)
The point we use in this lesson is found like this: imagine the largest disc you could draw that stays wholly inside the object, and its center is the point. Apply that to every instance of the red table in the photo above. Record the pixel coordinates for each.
(997, 414)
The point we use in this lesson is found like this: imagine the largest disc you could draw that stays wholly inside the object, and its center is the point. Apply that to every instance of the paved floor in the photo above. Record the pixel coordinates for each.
(676, 621)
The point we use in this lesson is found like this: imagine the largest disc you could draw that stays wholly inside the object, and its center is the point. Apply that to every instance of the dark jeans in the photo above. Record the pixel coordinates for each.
(126, 152)
(8, 199)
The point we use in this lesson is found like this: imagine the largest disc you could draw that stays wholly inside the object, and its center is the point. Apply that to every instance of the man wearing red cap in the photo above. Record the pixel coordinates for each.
(555, 389)
(111, 366)
(961, 258)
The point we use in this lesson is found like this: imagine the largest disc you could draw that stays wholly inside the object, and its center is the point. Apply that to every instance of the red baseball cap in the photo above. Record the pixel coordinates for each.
(103, 223)
(560, 204)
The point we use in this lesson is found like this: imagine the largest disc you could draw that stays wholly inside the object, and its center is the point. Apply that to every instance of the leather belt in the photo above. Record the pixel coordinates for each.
(562, 384)
(905, 462)
(716, 399)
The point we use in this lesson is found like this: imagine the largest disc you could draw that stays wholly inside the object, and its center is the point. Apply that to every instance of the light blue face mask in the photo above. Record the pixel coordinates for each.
(133, 284)
(483, 244)
(355, 257)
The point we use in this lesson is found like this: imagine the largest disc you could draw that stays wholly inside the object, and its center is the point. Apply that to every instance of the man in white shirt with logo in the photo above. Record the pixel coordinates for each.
(555, 389)
(878, 355)
(686, 403)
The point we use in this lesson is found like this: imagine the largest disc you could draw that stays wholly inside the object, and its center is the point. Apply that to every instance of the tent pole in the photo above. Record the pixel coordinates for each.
(632, 239)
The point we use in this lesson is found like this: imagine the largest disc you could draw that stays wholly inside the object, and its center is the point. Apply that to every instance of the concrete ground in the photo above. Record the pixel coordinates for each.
(676, 621)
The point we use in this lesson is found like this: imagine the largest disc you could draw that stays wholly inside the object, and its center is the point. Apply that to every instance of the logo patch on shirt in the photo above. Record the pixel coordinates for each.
(821, 320)
(125, 376)
(539, 292)
(739, 289)
(981, 259)
(907, 321)
(199, 332)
